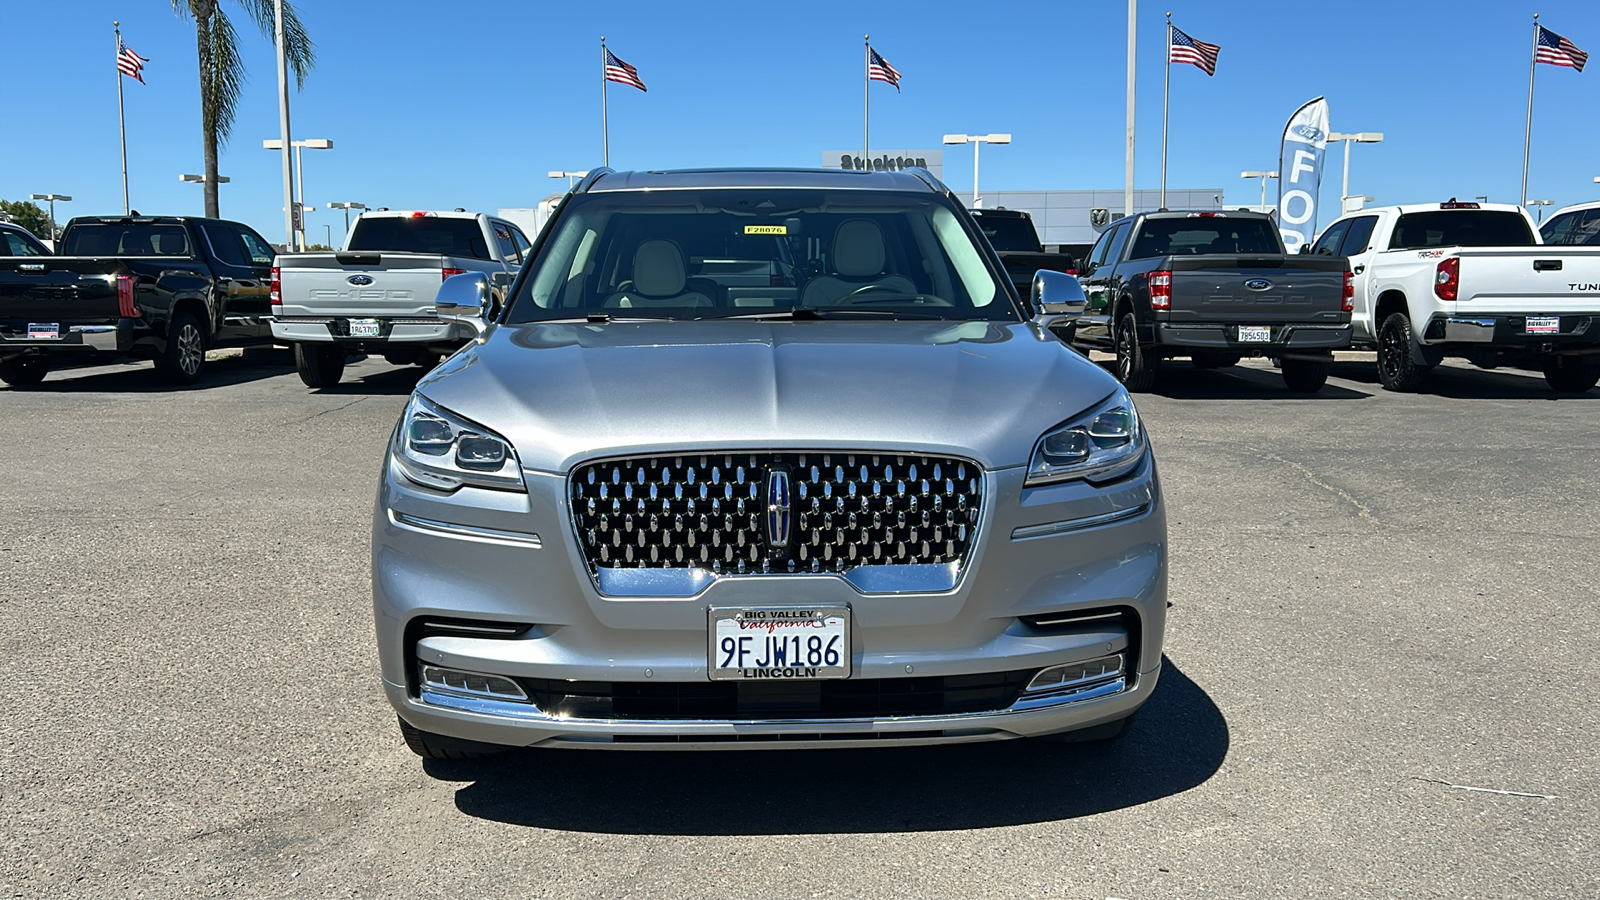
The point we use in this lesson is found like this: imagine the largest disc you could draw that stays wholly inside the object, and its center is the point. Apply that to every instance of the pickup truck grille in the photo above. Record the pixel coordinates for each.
(744, 513)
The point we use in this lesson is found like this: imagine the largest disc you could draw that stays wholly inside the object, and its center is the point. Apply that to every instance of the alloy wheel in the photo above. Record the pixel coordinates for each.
(191, 352)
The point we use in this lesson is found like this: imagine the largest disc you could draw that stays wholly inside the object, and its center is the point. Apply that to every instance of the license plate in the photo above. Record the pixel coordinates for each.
(44, 331)
(1543, 325)
(779, 643)
(363, 327)
(1255, 334)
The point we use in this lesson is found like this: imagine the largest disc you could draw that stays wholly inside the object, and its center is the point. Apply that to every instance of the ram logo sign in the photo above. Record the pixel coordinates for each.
(1305, 140)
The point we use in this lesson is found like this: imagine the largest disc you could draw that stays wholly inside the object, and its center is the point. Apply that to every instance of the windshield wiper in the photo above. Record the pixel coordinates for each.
(597, 317)
(815, 314)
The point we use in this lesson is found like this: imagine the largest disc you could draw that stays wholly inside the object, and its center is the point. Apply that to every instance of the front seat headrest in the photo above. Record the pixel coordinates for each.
(858, 249)
(658, 269)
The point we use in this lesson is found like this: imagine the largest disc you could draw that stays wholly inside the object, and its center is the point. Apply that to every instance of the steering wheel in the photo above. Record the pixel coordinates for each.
(859, 296)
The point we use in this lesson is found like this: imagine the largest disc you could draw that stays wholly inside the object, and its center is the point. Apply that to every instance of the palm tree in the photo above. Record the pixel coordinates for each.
(222, 71)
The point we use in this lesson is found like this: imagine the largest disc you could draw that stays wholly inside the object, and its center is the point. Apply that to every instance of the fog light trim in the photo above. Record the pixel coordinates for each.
(470, 684)
(1074, 675)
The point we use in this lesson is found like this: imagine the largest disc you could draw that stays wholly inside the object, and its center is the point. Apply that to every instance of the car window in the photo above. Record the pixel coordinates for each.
(1193, 235)
(130, 239)
(1559, 229)
(508, 247)
(1357, 239)
(1461, 228)
(1328, 244)
(718, 252)
(420, 233)
(255, 247)
(521, 241)
(226, 245)
(16, 244)
(1097, 253)
(1119, 239)
(1009, 232)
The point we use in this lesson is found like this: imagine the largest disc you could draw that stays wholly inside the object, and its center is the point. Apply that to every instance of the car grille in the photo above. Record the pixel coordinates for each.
(743, 513)
(851, 698)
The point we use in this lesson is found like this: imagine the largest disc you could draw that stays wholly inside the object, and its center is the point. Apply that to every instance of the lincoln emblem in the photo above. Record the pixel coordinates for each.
(778, 512)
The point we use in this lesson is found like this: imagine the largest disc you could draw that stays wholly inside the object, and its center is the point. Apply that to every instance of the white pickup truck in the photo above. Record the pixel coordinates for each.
(1472, 281)
(376, 295)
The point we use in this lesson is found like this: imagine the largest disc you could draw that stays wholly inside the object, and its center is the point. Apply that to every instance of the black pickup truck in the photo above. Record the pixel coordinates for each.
(168, 288)
(1016, 242)
(1215, 287)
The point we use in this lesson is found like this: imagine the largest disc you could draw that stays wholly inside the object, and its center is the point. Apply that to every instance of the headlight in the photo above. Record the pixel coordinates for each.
(439, 449)
(1105, 443)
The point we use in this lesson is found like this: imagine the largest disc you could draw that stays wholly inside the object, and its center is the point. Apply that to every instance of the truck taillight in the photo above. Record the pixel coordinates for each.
(1447, 278)
(1161, 290)
(446, 273)
(125, 305)
(277, 288)
(1349, 291)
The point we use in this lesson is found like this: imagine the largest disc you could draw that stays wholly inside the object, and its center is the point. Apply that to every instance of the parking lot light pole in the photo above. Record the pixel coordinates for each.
(300, 171)
(1541, 204)
(976, 140)
(52, 198)
(1263, 176)
(1360, 137)
(569, 176)
(347, 207)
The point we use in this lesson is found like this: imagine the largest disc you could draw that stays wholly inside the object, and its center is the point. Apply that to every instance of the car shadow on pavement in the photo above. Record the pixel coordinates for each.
(1460, 383)
(1182, 381)
(1178, 742)
(136, 376)
(370, 381)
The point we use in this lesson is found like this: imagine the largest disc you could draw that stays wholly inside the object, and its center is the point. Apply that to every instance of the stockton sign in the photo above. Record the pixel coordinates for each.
(885, 160)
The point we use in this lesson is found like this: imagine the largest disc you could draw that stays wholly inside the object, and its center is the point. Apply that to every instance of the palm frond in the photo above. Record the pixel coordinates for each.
(226, 75)
(301, 52)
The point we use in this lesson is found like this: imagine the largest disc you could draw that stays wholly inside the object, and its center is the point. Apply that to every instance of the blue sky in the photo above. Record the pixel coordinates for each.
(471, 103)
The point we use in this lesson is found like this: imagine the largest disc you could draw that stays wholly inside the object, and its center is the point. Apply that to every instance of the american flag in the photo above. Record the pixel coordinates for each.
(878, 69)
(1556, 50)
(1186, 49)
(129, 63)
(621, 72)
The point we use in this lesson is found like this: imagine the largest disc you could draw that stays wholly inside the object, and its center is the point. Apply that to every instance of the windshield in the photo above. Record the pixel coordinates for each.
(723, 253)
(1461, 228)
(1008, 233)
(1193, 235)
(419, 234)
(133, 239)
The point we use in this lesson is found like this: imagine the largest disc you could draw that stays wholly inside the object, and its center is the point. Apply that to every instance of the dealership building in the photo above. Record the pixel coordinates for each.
(1061, 217)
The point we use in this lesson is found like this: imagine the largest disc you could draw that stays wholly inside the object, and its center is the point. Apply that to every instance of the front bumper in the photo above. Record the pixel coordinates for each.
(491, 556)
(336, 329)
(1225, 338)
(1509, 330)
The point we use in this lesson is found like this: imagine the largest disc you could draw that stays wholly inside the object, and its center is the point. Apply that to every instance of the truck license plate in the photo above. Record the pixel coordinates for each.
(363, 327)
(1544, 325)
(1255, 334)
(44, 331)
(785, 644)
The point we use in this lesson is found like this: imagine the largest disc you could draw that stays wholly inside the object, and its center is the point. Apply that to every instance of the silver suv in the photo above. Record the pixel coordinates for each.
(763, 459)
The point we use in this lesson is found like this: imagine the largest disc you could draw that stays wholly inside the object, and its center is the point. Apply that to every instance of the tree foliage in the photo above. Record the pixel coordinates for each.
(29, 215)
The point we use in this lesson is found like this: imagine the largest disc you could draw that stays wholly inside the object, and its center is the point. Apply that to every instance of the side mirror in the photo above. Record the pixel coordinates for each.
(464, 298)
(1056, 294)
(1305, 249)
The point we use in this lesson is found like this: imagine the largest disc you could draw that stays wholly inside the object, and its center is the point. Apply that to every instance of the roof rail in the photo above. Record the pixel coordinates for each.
(928, 178)
(588, 180)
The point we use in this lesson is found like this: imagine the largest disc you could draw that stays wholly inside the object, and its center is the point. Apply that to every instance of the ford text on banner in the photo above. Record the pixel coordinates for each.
(1305, 140)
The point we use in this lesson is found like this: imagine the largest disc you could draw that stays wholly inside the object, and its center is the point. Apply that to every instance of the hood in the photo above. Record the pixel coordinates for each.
(561, 393)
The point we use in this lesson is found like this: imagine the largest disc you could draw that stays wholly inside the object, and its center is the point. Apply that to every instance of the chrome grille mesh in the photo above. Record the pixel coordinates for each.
(716, 511)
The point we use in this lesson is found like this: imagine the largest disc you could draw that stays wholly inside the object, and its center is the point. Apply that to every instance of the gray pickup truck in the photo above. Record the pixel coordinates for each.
(376, 295)
(1215, 287)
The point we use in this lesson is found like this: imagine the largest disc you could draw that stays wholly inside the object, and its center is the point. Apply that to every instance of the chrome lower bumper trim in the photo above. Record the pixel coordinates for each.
(1051, 529)
(432, 526)
(1459, 329)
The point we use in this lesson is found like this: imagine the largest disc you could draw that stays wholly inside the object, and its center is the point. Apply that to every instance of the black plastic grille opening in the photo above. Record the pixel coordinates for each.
(851, 698)
(723, 511)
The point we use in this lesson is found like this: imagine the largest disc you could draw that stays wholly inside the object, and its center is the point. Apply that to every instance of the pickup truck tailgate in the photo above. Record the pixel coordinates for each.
(64, 288)
(359, 284)
(1529, 279)
(1257, 290)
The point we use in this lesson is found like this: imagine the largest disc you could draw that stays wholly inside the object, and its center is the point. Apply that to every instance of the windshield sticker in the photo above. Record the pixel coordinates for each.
(766, 229)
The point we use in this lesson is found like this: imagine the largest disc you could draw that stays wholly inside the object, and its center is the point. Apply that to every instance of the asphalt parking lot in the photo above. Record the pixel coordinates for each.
(1379, 678)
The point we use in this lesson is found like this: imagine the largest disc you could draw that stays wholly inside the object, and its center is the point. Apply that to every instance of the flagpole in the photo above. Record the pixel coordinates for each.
(1127, 185)
(1166, 93)
(866, 100)
(605, 115)
(1527, 135)
(122, 122)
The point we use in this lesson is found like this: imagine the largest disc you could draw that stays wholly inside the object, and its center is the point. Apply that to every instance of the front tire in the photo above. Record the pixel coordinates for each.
(1304, 376)
(1136, 368)
(428, 745)
(1571, 375)
(1398, 370)
(184, 359)
(319, 365)
(22, 371)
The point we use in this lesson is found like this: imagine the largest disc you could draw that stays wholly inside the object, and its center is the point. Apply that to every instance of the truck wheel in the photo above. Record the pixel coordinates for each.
(184, 359)
(1571, 375)
(428, 745)
(319, 365)
(1136, 369)
(1215, 360)
(1397, 370)
(21, 371)
(1110, 731)
(1304, 376)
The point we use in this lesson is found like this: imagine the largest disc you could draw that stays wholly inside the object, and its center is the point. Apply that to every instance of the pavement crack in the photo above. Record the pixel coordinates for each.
(1484, 790)
(1362, 510)
(333, 410)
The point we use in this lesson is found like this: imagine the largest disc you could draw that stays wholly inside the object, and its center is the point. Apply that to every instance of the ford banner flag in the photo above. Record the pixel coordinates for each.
(1305, 140)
